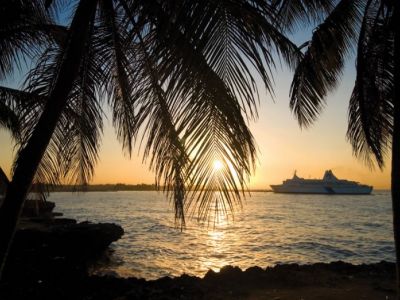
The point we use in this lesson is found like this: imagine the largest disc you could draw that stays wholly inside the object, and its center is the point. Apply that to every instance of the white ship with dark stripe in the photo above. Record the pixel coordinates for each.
(329, 184)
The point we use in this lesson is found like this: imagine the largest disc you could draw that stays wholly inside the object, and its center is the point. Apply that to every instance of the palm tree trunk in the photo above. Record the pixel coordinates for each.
(30, 157)
(396, 146)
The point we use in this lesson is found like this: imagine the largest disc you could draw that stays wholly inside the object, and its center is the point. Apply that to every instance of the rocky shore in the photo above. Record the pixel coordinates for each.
(51, 251)
(50, 261)
(337, 280)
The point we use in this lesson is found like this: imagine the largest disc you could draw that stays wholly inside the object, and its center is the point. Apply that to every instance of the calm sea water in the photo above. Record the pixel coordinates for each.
(270, 229)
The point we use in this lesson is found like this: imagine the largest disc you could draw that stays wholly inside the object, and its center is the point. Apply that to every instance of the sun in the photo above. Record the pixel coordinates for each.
(218, 165)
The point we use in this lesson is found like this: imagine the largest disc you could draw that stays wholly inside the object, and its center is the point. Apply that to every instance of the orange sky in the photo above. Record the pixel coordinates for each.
(283, 146)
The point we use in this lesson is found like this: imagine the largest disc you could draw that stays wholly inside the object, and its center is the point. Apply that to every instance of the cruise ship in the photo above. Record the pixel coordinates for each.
(329, 184)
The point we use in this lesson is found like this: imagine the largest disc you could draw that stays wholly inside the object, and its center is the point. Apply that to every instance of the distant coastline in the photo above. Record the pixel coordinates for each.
(104, 187)
(117, 187)
(120, 187)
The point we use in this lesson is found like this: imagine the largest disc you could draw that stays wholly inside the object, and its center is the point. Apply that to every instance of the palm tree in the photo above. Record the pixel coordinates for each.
(178, 70)
(8, 116)
(24, 28)
(369, 26)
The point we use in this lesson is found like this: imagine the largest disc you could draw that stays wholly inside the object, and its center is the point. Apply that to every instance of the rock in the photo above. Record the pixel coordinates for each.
(41, 250)
(68, 239)
(230, 271)
(37, 207)
(255, 275)
(210, 275)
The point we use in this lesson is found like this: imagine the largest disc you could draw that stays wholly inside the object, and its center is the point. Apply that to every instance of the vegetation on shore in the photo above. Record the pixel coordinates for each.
(104, 187)
(116, 187)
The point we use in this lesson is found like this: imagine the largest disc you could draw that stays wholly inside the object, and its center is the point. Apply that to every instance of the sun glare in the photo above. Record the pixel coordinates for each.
(218, 165)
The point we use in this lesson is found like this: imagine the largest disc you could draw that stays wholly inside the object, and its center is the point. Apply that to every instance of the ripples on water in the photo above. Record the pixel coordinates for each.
(271, 229)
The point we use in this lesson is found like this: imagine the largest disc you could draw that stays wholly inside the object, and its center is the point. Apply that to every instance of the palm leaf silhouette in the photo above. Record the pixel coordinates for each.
(322, 64)
(371, 105)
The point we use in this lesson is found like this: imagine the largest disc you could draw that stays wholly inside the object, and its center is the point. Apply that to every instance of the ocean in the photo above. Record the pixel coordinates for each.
(269, 229)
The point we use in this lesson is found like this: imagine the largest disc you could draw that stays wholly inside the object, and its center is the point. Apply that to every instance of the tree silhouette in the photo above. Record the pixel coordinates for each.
(182, 72)
(369, 26)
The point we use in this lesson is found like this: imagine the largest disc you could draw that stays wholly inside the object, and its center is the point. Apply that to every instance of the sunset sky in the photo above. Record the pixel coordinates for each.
(283, 146)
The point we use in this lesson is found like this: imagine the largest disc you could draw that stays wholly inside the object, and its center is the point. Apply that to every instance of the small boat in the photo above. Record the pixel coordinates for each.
(329, 184)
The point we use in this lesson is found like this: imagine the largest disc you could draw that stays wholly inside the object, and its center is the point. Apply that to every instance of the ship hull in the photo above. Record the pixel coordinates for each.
(330, 190)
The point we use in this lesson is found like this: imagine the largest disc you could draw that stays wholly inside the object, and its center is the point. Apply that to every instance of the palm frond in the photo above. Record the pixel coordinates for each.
(322, 64)
(114, 45)
(72, 152)
(370, 117)
(236, 38)
(242, 34)
(8, 119)
(209, 116)
(11, 101)
(19, 34)
(164, 146)
(84, 122)
(295, 14)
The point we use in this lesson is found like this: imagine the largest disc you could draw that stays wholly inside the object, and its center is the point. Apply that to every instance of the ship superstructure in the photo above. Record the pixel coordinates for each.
(329, 184)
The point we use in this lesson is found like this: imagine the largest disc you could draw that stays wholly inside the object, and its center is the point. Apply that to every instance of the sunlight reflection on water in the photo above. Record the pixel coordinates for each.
(271, 229)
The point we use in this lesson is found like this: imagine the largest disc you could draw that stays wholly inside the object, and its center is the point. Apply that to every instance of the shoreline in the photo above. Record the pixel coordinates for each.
(127, 188)
(51, 260)
(336, 280)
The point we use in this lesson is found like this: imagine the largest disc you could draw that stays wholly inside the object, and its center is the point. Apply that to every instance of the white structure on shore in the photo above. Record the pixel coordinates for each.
(329, 184)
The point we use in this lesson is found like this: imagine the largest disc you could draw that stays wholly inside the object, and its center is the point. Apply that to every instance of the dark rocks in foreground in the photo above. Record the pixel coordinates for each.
(66, 237)
(52, 249)
(337, 280)
(281, 282)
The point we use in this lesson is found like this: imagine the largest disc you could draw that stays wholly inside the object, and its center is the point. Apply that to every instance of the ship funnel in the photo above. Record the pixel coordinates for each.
(328, 176)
